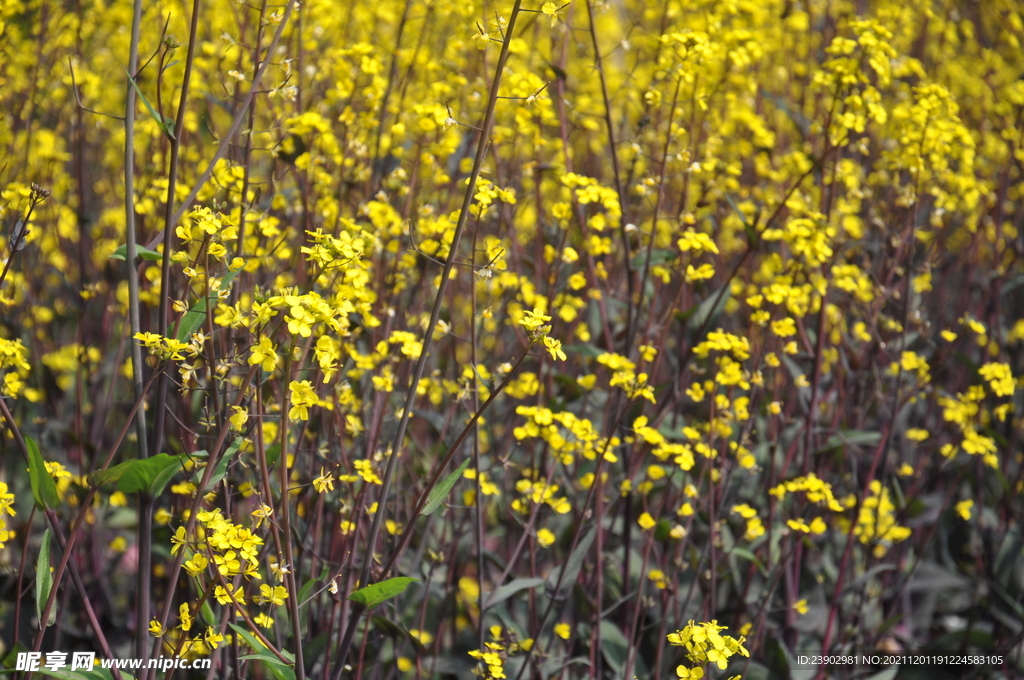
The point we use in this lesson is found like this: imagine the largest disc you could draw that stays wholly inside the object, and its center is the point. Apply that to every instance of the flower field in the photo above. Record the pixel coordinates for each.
(602, 340)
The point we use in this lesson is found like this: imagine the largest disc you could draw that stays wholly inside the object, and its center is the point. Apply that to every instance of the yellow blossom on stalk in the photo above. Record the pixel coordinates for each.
(324, 483)
(212, 638)
(262, 354)
(552, 10)
(262, 513)
(705, 644)
(302, 398)
(554, 347)
(185, 616)
(963, 508)
(534, 320)
(238, 418)
(274, 595)
(196, 565)
(999, 378)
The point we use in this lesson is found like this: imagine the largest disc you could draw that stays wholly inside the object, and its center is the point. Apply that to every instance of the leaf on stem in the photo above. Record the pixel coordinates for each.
(374, 594)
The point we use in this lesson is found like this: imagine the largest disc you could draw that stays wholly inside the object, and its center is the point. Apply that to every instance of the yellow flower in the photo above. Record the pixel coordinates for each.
(156, 629)
(178, 540)
(196, 565)
(275, 595)
(263, 355)
(800, 606)
(324, 483)
(554, 347)
(563, 630)
(185, 616)
(263, 620)
(545, 537)
(963, 508)
(238, 419)
(212, 638)
(646, 521)
(552, 10)
(534, 321)
(302, 397)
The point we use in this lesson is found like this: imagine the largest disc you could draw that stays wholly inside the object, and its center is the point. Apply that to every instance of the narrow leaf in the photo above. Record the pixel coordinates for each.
(374, 594)
(165, 125)
(510, 589)
(274, 665)
(44, 489)
(571, 568)
(440, 492)
(194, 318)
(121, 253)
(44, 582)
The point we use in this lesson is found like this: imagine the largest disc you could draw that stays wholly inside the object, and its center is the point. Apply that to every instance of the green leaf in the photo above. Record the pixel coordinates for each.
(571, 568)
(207, 611)
(222, 464)
(748, 555)
(440, 492)
(856, 437)
(148, 475)
(708, 310)
(510, 589)
(274, 665)
(44, 582)
(616, 650)
(272, 453)
(44, 489)
(264, 654)
(374, 594)
(94, 674)
(584, 349)
(165, 124)
(753, 238)
(194, 318)
(121, 253)
(659, 256)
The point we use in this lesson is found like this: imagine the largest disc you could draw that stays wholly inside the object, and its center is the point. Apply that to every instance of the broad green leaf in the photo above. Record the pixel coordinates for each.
(615, 648)
(194, 318)
(44, 489)
(510, 589)
(121, 253)
(440, 492)
(148, 476)
(44, 582)
(374, 594)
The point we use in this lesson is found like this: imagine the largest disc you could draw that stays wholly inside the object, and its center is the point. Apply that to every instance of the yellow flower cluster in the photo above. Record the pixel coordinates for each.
(705, 644)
